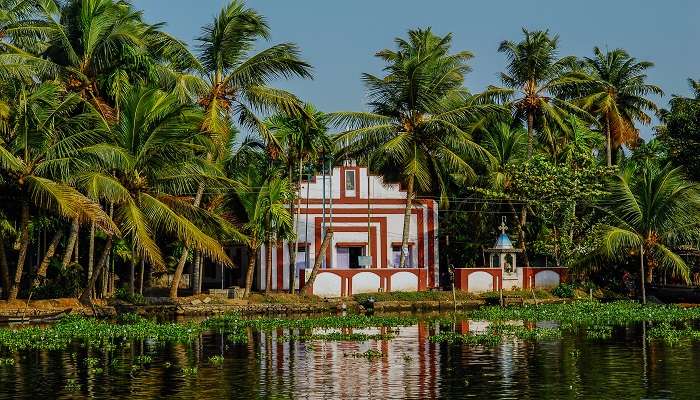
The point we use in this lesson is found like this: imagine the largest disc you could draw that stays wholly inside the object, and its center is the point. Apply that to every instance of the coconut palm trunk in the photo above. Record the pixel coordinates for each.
(530, 133)
(642, 274)
(22, 256)
(4, 270)
(608, 135)
(293, 249)
(142, 271)
(406, 222)
(185, 252)
(91, 250)
(319, 260)
(70, 245)
(132, 273)
(196, 276)
(252, 258)
(50, 251)
(76, 251)
(85, 297)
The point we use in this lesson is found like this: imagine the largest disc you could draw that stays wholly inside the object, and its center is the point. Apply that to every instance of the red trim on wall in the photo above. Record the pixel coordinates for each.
(353, 200)
(530, 272)
(421, 234)
(373, 232)
(351, 244)
(343, 195)
(394, 244)
(462, 277)
(431, 243)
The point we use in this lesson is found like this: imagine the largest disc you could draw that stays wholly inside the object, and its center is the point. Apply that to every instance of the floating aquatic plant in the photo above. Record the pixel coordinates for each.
(599, 332)
(671, 334)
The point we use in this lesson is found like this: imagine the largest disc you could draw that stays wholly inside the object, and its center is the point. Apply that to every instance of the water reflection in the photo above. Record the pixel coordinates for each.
(271, 365)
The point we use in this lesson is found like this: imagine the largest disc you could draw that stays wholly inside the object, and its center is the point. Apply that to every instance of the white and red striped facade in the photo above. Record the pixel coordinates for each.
(366, 215)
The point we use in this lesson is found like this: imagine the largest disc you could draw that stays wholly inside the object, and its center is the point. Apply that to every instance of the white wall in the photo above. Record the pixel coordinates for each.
(546, 279)
(479, 282)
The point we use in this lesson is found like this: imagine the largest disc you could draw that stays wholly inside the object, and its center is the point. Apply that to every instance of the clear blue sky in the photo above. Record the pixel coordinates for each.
(339, 37)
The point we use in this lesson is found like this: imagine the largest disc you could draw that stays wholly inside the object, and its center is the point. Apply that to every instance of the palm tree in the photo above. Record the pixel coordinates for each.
(419, 118)
(302, 139)
(98, 48)
(650, 212)
(580, 144)
(535, 79)
(236, 82)
(147, 170)
(237, 78)
(40, 144)
(267, 218)
(616, 94)
(507, 146)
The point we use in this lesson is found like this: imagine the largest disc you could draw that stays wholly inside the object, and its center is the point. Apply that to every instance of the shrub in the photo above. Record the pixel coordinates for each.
(564, 290)
(124, 295)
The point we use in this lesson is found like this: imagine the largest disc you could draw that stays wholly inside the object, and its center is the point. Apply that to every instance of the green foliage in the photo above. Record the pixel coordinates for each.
(143, 359)
(125, 295)
(589, 313)
(564, 290)
(670, 334)
(496, 333)
(650, 213)
(681, 132)
(370, 354)
(61, 282)
(599, 332)
(7, 361)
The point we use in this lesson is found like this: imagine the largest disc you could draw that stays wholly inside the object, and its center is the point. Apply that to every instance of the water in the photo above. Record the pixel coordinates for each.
(622, 367)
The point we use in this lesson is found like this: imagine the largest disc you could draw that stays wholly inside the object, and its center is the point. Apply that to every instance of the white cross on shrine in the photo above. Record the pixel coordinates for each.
(503, 226)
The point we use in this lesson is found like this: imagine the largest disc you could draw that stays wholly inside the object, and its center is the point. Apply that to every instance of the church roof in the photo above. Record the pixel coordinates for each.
(503, 242)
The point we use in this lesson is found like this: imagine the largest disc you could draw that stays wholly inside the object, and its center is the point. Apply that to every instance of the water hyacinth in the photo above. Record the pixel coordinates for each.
(597, 317)
(589, 313)
(670, 334)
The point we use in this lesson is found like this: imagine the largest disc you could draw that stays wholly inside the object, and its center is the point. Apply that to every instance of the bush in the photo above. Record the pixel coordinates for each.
(124, 295)
(564, 290)
(60, 282)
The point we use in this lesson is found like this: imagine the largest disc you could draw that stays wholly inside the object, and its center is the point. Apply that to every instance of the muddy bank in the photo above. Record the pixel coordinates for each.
(206, 305)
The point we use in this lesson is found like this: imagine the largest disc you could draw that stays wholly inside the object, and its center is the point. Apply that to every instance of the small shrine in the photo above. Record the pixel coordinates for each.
(503, 255)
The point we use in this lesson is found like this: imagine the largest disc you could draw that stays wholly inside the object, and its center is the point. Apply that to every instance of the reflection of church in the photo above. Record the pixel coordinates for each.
(503, 271)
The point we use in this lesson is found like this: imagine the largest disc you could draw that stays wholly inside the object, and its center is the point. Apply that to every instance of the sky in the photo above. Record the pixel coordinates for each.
(339, 38)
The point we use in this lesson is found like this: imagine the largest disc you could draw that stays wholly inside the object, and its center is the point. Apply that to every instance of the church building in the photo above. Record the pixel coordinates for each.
(366, 215)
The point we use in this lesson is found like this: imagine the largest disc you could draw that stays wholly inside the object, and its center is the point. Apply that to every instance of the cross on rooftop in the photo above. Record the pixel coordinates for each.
(503, 226)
